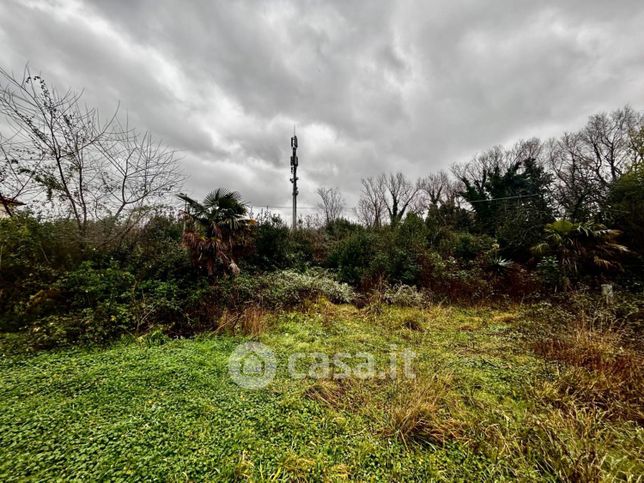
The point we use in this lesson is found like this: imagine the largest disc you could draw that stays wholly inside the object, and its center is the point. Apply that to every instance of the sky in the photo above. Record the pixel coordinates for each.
(371, 86)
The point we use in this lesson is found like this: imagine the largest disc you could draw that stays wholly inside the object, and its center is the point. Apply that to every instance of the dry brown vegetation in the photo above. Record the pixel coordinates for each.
(573, 419)
(597, 370)
(252, 320)
(424, 412)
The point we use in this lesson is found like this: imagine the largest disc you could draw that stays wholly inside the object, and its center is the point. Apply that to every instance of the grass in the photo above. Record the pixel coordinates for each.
(485, 405)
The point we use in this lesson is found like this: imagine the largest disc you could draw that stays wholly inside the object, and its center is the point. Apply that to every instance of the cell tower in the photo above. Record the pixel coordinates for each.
(294, 178)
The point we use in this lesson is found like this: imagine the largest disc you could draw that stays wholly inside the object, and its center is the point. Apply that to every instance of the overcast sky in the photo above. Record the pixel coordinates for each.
(372, 86)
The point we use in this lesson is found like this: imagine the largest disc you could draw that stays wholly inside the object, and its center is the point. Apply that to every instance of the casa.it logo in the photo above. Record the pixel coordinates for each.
(252, 365)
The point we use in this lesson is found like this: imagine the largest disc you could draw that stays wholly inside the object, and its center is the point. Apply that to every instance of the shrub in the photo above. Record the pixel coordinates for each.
(398, 265)
(155, 252)
(88, 286)
(54, 331)
(306, 248)
(32, 256)
(87, 326)
(353, 256)
(466, 246)
(284, 288)
(340, 228)
(289, 288)
(446, 276)
(404, 295)
(163, 303)
(271, 240)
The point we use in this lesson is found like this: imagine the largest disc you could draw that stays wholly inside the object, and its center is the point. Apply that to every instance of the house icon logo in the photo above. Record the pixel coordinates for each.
(252, 365)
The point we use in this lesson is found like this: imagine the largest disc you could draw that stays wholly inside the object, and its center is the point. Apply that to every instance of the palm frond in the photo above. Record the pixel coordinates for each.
(603, 263)
(617, 247)
(196, 207)
(540, 248)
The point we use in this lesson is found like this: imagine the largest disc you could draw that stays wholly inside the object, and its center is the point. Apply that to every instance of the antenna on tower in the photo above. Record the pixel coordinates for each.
(294, 163)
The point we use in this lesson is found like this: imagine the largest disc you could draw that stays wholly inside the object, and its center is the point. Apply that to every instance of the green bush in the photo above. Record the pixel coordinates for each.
(271, 240)
(88, 286)
(33, 254)
(466, 246)
(307, 248)
(353, 256)
(340, 229)
(88, 326)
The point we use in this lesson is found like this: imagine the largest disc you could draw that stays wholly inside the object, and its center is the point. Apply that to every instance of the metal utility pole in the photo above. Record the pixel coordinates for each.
(294, 178)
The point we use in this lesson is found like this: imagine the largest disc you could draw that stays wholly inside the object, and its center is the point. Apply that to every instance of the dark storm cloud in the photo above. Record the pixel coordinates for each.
(372, 86)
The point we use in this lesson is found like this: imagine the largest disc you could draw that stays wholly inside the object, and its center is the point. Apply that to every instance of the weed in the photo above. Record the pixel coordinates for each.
(413, 323)
(422, 413)
(598, 371)
(568, 445)
(252, 321)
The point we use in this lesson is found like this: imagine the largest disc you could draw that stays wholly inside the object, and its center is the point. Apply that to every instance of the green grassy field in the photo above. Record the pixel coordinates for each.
(482, 406)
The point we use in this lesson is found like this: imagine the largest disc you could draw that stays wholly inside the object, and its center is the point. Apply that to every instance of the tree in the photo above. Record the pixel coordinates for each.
(476, 170)
(439, 200)
(218, 227)
(511, 202)
(588, 162)
(625, 207)
(579, 246)
(435, 189)
(16, 177)
(398, 193)
(86, 168)
(575, 186)
(371, 205)
(332, 203)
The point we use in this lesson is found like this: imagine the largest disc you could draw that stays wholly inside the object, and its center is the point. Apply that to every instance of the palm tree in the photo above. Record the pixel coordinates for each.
(218, 226)
(578, 245)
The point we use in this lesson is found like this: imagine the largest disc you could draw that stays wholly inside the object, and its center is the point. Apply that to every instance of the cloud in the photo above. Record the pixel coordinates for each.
(372, 86)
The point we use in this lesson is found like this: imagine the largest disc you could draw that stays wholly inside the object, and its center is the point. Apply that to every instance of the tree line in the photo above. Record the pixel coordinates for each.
(512, 193)
(107, 178)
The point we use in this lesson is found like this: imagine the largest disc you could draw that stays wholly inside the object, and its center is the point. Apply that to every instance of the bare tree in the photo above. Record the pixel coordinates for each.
(586, 163)
(495, 156)
(434, 189)
(311, 221)
(399, 193)
(477, 168)
(331, 203)
(575, 186)
(16, 176)
(524, 149)
(637, 143)
(371, 205)
(607, 139)
(87, 167)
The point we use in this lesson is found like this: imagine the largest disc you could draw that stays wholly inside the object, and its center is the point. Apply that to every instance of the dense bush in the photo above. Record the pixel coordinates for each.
(353, 256)
(63, 292)
(276, 246)
(32, 255)
(466, 246)
(271, 239)
(287, 288)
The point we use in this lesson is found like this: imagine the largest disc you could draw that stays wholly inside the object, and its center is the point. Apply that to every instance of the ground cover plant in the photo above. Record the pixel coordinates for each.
(484, 405)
